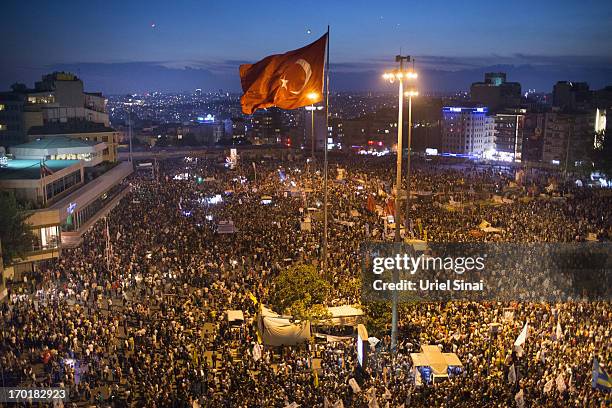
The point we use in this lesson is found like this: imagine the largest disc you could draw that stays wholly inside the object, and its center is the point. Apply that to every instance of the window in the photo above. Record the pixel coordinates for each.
(1, 107)
(2, 127)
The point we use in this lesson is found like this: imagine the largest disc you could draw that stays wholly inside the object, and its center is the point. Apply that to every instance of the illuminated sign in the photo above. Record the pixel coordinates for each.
(206, 119)
(455, 109)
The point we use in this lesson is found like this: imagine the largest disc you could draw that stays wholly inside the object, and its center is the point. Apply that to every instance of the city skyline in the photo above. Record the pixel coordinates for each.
(124, 48)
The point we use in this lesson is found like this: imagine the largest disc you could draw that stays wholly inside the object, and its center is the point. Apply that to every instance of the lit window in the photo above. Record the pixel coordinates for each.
(1, 107)
(2, 127)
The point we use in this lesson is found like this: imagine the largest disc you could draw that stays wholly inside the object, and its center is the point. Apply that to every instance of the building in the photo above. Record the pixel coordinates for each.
(91, 152)
(568, 138)
(203, 134)
(319, 128)
(335, 133)
(533, 136)
(68, 184)
(40, 183)
(238, 130)
(12, 125)
(266, 126)
(467, 131)
(571, 96)
(375, 131)
(58, 98)
(507, 136)
(495, 92)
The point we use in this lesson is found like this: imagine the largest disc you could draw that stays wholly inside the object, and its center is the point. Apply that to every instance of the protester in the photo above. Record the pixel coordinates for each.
(120, 320)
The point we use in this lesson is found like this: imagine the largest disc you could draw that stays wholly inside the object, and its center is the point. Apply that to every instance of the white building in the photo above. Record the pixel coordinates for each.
(466, 131)
(61, 148)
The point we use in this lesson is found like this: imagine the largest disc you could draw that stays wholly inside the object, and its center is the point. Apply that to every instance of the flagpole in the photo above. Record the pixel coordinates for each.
(325, 158)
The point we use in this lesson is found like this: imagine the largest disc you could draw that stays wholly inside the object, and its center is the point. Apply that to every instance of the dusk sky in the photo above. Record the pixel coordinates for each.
(129, 46)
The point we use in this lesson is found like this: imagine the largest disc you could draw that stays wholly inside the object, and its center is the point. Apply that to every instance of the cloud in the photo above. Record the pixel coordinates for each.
(436, 73)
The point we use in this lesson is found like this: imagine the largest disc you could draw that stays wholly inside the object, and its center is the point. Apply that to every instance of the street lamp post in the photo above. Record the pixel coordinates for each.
(409, 94)
(313, 96)
(399, 75)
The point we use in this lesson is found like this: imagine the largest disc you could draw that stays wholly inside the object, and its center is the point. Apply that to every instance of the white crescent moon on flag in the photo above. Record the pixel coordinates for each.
(306, 67)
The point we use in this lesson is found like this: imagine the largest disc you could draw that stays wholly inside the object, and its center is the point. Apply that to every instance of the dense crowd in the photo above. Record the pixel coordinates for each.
(136, 315)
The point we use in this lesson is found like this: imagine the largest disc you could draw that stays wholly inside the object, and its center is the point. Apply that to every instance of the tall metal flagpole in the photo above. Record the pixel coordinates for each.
(325, 159)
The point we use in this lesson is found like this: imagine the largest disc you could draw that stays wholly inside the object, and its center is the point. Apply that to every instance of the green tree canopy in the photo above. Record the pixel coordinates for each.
(301, 292)
(15, 235)
(378, 317)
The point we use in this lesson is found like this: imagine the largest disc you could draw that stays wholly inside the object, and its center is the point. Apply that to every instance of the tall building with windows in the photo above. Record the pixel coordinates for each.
(508, 136)
(570, 96)
(60, 145)
(466, 131)
(58, 98)
(266, 126)
(568, 138)
(495, 92)
(12, 124)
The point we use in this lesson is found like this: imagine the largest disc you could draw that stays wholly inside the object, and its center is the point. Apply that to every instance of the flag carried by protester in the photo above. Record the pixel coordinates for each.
(548, 386)
(354, 386)
(561, 387)
(512, 375)
(256, 352)
(558, 332)
(520, 340)
(601, 380)
(519, 398)
(288, 81)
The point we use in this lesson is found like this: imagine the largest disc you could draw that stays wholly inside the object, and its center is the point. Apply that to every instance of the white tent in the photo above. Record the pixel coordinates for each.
(345, 315)
(235, 315)
(278, 330)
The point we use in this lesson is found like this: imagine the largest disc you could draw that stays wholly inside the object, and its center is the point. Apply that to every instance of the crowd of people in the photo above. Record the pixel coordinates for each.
(136, 315)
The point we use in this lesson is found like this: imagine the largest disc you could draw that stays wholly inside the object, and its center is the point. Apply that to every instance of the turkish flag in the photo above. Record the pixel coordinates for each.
(284, 80)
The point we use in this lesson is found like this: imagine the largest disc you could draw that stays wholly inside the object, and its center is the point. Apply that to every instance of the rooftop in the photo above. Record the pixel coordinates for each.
(30, 169)
(71, 127)
(56, 142)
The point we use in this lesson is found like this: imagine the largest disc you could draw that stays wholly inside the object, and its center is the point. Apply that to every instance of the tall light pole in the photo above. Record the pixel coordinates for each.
(410, 94)
(313, 96)
(399, 75)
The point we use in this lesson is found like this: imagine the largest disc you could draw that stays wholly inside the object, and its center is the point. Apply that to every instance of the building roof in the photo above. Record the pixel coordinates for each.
(57, 128)
(57, 142)
(30, 169)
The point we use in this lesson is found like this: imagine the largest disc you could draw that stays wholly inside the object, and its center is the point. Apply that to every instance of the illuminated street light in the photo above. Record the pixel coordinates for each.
(313, 96)
(391, 76)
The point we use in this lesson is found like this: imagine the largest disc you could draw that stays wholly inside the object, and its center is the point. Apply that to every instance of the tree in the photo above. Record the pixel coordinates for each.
(15, 235)
(378, 317)
(301, 292)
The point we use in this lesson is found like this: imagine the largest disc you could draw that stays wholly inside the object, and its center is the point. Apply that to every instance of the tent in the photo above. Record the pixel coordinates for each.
(235, 316)
(345, 315)
(277, 330)
(486, 227)
(432, 363)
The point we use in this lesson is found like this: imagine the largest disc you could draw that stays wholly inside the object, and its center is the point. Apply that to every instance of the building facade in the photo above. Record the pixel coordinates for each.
(508, 136)
(59, 98)
(466, 131)
(568, 138)
(495, 92)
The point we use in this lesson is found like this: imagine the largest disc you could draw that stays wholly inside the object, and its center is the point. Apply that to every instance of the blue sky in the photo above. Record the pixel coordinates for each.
(213, 37)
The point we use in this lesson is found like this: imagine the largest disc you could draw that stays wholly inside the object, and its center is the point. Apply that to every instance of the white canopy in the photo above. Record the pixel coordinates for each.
(235, 315)
(278, 330)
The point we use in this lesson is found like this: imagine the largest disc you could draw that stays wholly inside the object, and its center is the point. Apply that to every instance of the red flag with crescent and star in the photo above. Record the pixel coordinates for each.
(287, 81)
